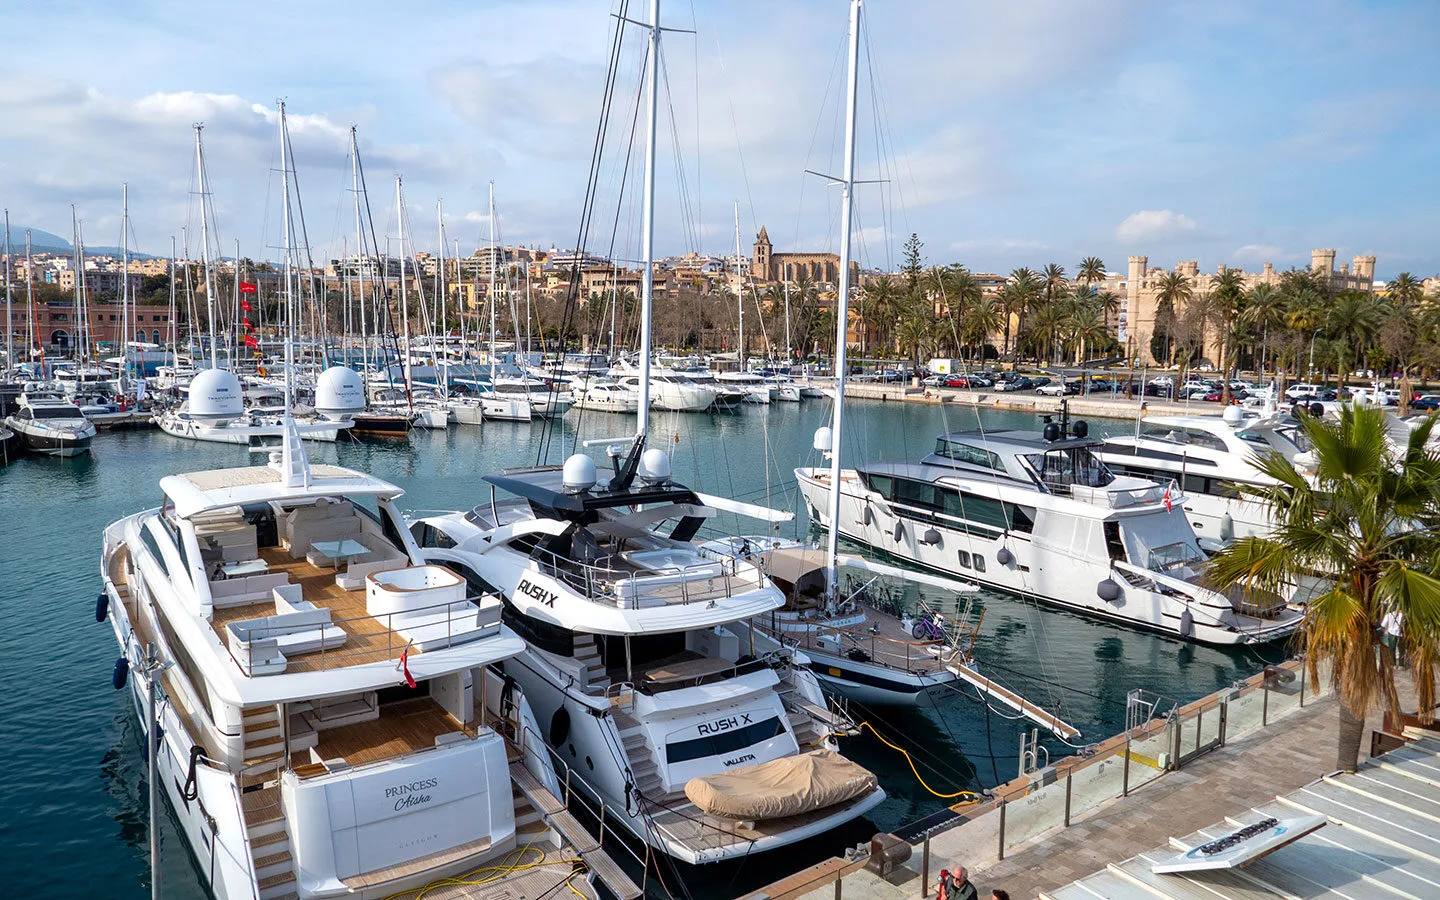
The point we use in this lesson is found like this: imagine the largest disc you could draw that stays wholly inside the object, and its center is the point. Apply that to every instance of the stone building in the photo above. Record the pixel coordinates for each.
(1141, 289)
(822, 268)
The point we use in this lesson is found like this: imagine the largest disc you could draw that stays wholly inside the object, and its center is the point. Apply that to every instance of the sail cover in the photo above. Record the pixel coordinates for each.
(791, 786)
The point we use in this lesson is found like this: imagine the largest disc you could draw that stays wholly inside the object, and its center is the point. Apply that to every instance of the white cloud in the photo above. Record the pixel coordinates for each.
(1257, 253)
(1154, 225)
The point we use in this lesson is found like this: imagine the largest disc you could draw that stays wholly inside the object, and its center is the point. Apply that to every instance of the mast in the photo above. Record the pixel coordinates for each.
(174, 326)
(360, 257)
(842, 302)
(739, 293)
(34, 309)
(78, 259)
(444, 373)
(9, 316)
(235, 313)
(124, 282)
(490, 295)
(286, 251)
(404, 298)
(647, 218)
(205, 247)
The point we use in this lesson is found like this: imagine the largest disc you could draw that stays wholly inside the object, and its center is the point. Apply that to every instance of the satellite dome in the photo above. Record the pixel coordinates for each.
(654, 467)
(1233, 415)
(339, 393)
(822, 439)
(216, 396)
(578, 475)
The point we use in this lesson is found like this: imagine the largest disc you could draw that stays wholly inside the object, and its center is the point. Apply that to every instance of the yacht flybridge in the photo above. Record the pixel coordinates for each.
(331, 723)
(1209, 458)
(640, 664)
(1039, 514)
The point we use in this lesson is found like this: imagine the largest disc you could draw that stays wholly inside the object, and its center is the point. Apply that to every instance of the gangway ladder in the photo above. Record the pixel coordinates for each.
(1032, 711)
(562, 820)
(1030, 752)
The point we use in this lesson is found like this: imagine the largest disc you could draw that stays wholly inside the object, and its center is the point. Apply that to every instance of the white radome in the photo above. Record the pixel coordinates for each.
(578, 475)
(654, 466)
(216, 396)
(339, 393)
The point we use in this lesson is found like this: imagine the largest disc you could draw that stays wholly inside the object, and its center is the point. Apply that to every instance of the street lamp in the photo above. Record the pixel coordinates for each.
(1310, 371)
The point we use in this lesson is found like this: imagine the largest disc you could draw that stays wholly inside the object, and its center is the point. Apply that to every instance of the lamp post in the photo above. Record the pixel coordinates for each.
(1310, 371)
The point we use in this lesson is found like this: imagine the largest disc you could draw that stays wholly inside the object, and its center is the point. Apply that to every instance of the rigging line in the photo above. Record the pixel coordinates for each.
(815, 135)
(687, 223)
(735, 128)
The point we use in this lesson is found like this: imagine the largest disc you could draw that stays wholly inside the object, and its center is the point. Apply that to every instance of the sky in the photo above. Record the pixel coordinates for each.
(1003, 134)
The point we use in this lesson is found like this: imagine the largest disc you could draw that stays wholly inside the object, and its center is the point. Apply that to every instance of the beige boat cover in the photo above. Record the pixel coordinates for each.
(791, 786)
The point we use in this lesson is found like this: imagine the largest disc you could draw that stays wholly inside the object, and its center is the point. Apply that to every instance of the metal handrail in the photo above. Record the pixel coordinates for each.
(605, 584)
(471, 605)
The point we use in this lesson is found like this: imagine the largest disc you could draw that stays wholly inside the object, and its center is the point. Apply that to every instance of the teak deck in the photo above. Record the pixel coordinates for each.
(404, 726)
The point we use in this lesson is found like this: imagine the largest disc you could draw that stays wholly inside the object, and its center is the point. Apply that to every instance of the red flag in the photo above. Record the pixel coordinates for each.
(245, 320)
(405, 666)
(251, 341)
(245, 304)
(247, 288)
(1169, 503)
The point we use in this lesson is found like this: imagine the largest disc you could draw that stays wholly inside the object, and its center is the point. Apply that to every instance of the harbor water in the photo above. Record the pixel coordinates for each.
(74, 772)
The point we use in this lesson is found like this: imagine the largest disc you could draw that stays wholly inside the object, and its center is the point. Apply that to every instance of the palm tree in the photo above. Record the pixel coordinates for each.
(881, 299)
(1356, 525)
(1354, 316)
(915, 331)
(1263, 310)
(1406, 289)
(1019, 290)
(980, 320)
(1054, 276)
(1227, 292)
(1091, 270)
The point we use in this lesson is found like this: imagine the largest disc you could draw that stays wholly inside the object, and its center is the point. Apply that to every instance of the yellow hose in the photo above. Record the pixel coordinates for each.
(927, 787)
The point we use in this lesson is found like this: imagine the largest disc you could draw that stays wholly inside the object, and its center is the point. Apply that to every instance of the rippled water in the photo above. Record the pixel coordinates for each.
(73, 777)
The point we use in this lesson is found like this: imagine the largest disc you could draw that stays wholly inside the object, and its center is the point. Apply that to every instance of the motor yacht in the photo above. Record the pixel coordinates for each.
(640, 664)
(755, 388)
(1040, 515)
(783, 388)
(327, 706)
(51, 425)
(603, 395)
(1209, 458)
(544, 401)
(677, 392)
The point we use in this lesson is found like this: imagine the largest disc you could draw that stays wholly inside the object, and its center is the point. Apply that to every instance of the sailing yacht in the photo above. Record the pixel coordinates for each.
(1039, 514)
(49, 424)
(1209, 458)
(640, 662)
(328, 710)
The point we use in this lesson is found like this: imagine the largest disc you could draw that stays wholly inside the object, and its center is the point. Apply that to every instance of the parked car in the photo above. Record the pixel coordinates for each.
(1300, 392)
(1018, 383)
(1040, 381)
(934, 381)
(1426, 402)
(1060, 389)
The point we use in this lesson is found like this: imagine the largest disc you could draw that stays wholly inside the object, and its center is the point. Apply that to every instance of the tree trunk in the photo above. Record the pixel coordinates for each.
(1352, 729)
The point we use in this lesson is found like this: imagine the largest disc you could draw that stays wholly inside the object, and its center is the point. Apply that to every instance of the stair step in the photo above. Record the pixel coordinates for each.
(276, 886)
(270, 842)
(634, 740)
(263, 731)
(262, 714)
(611, 875)
(262, 806)
(274, 864)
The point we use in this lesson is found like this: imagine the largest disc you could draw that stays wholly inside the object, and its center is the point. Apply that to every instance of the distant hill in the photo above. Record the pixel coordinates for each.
(45, 242)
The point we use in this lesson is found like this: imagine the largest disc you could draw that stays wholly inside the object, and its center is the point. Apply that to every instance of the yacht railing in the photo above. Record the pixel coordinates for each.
(380, 638)
(709, 579)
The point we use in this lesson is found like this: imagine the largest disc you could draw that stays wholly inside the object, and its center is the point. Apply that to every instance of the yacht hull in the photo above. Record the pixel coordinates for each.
(1034, 570)
(49, 442)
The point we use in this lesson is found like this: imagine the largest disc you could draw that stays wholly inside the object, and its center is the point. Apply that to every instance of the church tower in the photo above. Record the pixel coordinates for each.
(760, 261)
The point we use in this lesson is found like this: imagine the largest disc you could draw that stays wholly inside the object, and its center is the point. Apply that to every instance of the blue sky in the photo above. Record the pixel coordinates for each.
(1012, 134)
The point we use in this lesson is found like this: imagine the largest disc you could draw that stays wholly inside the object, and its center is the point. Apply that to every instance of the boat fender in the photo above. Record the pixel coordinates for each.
(1317, 410)
(145, 750)
(1187, 624)
(102, 607)
(121, 674)
(931, 537)
(1108, 590)
(1004, 557)
(559, 726)
(191, 790)
(867, 516)
(1298, 410)
(1227, 528)
(899, 533)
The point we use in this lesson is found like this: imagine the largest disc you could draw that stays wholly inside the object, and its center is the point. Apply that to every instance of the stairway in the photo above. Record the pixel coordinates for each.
(594, 678)
(569, 828)
(260, 801)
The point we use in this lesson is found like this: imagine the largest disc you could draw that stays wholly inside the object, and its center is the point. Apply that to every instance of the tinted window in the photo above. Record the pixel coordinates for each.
(915, 493)
(881, 484)
(724, 742)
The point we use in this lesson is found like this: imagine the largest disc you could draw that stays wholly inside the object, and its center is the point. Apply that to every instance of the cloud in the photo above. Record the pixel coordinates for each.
(1154, 225)
(1257, 253)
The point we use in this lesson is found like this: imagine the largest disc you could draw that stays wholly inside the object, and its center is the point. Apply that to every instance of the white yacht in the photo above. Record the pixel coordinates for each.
(1038, 514)
(51, 425)
(600, 394)
(755, 387)
(331, 722)
(783, 388)
(707, 739)
(674, 391)
(1208, 458)
(215, 410)
(544, 402)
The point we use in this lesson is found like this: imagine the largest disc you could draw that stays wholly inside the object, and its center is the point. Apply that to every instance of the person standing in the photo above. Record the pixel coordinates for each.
(1390, 628)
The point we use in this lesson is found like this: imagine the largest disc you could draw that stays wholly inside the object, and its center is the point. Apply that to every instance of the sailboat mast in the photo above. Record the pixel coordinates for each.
(739, 293)
(124, 282)
(174, 328)
(9, 315)
(205, 247)
(842, 302)
(440, 329)
(34, 308)
(288, 271)
(361, 258)
(647, 217)
(404, 298)
(490, 295)
(78, 259)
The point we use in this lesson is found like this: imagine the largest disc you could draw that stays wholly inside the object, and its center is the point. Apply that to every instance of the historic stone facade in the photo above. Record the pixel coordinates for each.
(1141, 288)
(767, 265)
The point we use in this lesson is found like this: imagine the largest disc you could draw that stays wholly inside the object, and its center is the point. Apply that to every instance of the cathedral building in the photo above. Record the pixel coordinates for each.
(821, 268)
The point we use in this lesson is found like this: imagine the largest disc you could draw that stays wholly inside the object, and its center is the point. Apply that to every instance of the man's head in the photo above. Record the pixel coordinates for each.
(961, 874)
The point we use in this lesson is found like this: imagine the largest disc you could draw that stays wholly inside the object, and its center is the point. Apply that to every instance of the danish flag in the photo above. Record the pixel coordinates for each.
(405, 667)
(1169, 501)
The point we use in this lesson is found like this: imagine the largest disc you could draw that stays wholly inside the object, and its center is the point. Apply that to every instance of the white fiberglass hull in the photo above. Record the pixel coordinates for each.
(1034, 568)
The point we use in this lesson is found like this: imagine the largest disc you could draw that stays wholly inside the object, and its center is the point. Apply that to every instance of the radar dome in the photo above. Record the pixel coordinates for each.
(216, 396)
(339, 393)
(578, 476)
(654, 467)
(1233, 415)
(822, 439)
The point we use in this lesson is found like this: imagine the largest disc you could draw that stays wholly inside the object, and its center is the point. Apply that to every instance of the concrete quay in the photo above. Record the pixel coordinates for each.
(1100, 405)
(1216, 757)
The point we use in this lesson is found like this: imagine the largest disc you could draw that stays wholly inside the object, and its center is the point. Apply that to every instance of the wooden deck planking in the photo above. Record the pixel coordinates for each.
(367, 639)
(403, 727)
